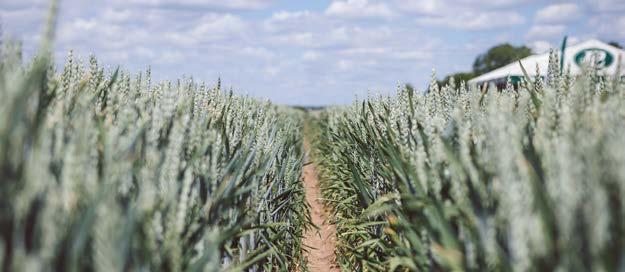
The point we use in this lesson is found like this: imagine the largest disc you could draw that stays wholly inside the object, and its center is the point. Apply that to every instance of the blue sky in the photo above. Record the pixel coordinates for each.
(308, 52)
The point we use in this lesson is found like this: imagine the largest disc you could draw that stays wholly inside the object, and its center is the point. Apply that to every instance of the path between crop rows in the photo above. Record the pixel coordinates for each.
(319, 243)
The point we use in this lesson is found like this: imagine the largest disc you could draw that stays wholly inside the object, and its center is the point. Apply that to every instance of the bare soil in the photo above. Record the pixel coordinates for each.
(319, 243)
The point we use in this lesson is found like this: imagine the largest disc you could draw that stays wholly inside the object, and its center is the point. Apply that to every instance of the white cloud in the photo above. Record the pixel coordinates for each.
(475, 21)
(606, 5)
(611, 26)
(361, 36)
(344, 64)
(368, 52)
(541, 46)
(441, 7)
(293, 21)
(19, 23)
(620, 27)
(14, 4)
(287, 15)
(363, 51)
(271, 70)
(558, 13)
(468, 15)
(303, 39)
(145, 52)
(494, 3)
(212, 27)
(170, 57)
(422, 7)
(258, 52)
(546, 31)
(226, 4)
(98, 33)
(359, 9)
(332, 36)
(311, 55)
(411, 55)
(572, 40)
(117, 15)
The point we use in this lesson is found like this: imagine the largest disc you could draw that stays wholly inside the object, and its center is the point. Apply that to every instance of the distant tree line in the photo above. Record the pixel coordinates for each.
(496, 57)
(616, 44)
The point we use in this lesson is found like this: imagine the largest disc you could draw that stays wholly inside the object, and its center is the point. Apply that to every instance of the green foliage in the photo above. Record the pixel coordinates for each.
(499, 56)
(616, 44)
(456, 78)
(109, 171)
(467, 179)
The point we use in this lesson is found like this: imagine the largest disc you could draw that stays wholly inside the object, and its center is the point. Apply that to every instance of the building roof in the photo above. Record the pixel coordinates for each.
(574, 56)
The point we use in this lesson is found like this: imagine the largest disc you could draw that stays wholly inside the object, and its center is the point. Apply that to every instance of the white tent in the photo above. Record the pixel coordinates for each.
(575, 56)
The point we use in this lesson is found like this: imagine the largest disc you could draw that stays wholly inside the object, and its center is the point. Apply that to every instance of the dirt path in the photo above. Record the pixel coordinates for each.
(319, 243)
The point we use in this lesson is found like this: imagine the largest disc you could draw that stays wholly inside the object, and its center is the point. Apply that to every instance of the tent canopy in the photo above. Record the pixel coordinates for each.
(574, 57)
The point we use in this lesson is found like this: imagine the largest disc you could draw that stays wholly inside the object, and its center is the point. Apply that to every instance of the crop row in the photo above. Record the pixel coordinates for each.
(529, 178)
(109, 171)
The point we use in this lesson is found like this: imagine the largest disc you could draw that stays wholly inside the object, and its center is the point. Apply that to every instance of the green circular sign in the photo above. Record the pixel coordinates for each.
(602, 57)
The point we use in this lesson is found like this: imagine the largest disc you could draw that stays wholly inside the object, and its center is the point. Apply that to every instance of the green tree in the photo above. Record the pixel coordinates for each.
(616, 44)
(499, 56)
(458, 77)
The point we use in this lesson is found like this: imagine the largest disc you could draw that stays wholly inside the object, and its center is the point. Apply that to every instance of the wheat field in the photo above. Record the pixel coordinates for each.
(108, 170)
